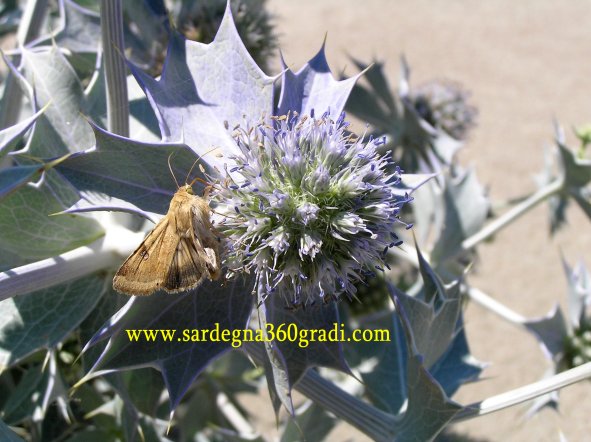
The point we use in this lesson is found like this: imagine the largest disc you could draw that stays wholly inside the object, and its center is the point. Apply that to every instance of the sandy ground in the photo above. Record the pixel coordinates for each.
(525, 63)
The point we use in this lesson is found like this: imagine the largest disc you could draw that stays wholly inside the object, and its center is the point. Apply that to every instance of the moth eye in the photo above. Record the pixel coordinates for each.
(145, 255)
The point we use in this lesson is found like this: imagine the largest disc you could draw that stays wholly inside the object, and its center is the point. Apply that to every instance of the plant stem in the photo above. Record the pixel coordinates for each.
(29, 27)
(494, 306)
(514, 213)
(473, 293)
(525, 393)
(115, 73)
(55, 270)
(376, 424)
(101, 254)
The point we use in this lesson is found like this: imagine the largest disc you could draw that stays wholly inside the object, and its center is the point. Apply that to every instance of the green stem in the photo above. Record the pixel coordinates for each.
(492, 228)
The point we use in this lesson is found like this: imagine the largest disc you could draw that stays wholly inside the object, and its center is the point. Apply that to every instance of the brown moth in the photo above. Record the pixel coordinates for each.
(178, 254)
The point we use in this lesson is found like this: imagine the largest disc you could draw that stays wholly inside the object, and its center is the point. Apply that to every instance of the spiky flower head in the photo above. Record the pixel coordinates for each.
(310, 208)
(444, 104)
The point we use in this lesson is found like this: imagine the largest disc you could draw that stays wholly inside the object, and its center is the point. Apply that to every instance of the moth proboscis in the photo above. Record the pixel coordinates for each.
(180, 252)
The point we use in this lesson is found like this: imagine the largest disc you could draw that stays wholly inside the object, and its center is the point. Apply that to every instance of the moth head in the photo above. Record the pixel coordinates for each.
(188, 188)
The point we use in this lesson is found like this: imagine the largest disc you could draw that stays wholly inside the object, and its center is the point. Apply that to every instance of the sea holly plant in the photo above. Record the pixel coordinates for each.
(311, 219)
(423, 128)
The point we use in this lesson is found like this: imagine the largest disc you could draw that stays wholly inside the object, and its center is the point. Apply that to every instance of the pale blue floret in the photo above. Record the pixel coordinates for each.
(308, 207)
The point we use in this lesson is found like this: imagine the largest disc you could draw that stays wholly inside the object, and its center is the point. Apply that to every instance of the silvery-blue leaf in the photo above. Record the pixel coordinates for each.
(91, 201)
(365, 103)
(61, 91)
(433, 328)
(386, 381)
(577, 175)
(180, 362)
(44, 318)
(14, 177)
(426, 333)
(556, 203)
(8, 435)
(579, 291)
(550, 400)
(313, 88)
(296, 322)
(312, 421)
(143, 125)
(79, 29)
(577, 170)
(121, 169)
(466, 209)
(144, 386)
(38, 235)
(446, 147)
(427, 402)
(380, 87)
(276, 370)
(19, 405)
(277, 377)
(12, 136)
(375, 102)
(32, 401)
(203, 86)
(415, 143)
(551, 332)
(108, 305)
(582, 196)
(457, 366)
(45, 142)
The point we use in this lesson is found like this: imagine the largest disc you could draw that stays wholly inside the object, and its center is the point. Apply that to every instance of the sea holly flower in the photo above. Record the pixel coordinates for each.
(445, 104)
(309, 207)
(424, 127)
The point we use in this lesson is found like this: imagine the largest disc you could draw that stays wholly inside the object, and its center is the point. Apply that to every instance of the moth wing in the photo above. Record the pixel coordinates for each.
(207, 239)
(187, 269)
(177, 255)
(145, 270)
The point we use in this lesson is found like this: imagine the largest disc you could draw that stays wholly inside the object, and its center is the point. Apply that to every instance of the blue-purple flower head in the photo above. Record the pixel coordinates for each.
(309, 207)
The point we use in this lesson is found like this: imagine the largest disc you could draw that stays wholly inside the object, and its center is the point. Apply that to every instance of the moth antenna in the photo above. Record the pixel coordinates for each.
(199, 157)
(171, 172)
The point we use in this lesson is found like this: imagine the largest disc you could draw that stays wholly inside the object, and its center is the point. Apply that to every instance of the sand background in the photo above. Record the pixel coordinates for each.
(524, 63)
